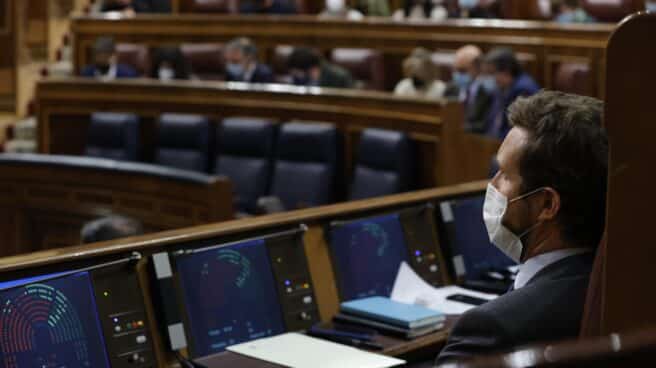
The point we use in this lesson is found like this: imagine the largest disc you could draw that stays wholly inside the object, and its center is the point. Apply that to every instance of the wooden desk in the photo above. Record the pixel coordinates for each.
(316, 249)
(428, 346)
(45, 201)
(547, 44)
(446, 154)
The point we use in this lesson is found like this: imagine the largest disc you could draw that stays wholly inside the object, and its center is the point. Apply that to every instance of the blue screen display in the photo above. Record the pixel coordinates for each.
(51, 323)
(471, 241)
(367, 254)
(230, 296)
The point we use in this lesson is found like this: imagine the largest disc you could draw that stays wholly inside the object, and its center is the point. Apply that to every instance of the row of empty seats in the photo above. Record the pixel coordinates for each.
(299, 163)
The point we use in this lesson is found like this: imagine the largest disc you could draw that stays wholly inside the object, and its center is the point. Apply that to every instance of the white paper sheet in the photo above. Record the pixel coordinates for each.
(301, 351)
(411, 288)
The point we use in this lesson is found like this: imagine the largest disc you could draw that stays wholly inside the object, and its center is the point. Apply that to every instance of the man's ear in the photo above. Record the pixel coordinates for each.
(550, 204)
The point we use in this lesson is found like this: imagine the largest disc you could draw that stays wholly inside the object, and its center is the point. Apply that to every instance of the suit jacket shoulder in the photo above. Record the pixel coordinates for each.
(262, 74)
(548, 308)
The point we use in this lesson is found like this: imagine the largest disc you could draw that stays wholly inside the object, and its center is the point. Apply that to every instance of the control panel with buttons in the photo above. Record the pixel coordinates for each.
(123, 318)
(292, 276)
(423, 244)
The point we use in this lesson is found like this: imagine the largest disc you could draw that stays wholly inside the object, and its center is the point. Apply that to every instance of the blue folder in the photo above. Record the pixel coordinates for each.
(399, 314)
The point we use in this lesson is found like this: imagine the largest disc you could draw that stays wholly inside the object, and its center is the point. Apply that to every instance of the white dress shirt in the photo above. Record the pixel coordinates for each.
(531, 267)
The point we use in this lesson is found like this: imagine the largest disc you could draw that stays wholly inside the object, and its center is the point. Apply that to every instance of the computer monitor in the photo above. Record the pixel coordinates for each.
(472, 254)
(229, 295)
(50, 322)
(367, 254)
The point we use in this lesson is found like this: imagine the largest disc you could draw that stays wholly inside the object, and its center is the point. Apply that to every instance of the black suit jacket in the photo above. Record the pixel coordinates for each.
(549, 307)
(261, 74)
(476, 112)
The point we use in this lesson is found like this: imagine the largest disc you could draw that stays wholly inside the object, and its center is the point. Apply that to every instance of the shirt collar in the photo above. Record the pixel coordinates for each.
(531, 267)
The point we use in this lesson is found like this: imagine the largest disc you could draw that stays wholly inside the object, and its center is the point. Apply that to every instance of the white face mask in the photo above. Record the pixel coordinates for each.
(335, 6)
(165, 74)
(494, 209)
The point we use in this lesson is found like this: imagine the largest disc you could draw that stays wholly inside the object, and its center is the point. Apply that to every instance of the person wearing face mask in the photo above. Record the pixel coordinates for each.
(421, 9)
(242, 64)
(470, 86)
(650, 6)
(510, 82)
(338, 9)
(421, 77)
(570, 11)
(545, 208)
(169, 64)
(309, 69)
(105, 62)
(479, 8)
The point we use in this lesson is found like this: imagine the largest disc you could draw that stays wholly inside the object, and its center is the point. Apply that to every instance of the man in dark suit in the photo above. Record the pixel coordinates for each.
(242, 64)
(511, 82)
(309, 69)
(105, 63)
(545, 208)
(469, 86)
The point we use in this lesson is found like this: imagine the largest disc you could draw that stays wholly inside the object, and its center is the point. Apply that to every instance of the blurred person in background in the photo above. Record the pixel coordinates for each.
(168, 64)
(421, 77)
(242, 64)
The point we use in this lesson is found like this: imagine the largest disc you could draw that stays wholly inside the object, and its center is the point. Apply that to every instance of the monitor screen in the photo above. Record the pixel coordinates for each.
(229, 295)
(367, 254)
(50, 323)
(471, 250)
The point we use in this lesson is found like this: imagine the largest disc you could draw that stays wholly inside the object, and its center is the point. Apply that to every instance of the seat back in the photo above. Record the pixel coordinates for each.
(113, 135)
(612, 10)
(573, 78)
(245, 155)
(385, 164)
(137, 56)
(306, 167)
(183, 142)
(205, 59)
(366, 65)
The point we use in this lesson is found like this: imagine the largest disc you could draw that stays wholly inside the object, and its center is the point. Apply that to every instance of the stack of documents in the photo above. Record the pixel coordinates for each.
(412, 289)
(391, 316)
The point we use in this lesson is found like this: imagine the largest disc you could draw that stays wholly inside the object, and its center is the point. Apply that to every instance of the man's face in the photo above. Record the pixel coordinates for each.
(103, 59)
(508, 180)
(234, 56)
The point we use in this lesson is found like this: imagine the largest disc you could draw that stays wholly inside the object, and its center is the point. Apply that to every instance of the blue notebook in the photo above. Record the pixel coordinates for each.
(386, 310)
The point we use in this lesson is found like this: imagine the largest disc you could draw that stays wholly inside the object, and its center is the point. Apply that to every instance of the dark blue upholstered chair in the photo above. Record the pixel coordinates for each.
(384, 166)
(114, 136)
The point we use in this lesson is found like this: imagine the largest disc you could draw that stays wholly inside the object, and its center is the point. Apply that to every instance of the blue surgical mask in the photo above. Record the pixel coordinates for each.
(568, 17)
(235, 70)
(651, 6)
(462, 80)
(488, 83)
(467, 4)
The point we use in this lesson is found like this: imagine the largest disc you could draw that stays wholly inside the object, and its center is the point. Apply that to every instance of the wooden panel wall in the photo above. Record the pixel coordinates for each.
(44, 205)
(7, 57)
